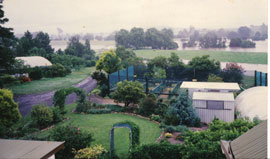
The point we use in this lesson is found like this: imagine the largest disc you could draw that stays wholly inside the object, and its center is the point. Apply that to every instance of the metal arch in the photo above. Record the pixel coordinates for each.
(112, 136)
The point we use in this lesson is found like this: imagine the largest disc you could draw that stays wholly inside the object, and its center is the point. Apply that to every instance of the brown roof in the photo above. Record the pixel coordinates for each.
(252, 144)
(28, 149)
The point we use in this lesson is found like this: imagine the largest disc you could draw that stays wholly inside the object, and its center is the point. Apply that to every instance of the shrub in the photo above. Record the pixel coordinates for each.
(56, 70)
(95, 152)
(168, 135)
(128, 92)
(36, 73)
(99, 111)
(100, 76)
(57, 115)
(232, 73)
(214, 78)
(90, 63)
(155, 117)
(182, 112)
(206, 144)
(24, 79)
(42, 115)
(156, 151)
(74, 139)
(179, 128)
(7, 79)
(9, 111)
(83, 107)
(147, 105)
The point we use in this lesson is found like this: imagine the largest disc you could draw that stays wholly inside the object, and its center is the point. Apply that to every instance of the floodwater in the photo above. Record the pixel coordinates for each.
(100, 46)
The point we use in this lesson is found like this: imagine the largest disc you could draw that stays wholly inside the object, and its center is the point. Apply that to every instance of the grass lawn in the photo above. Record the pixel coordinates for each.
(100, 125)
(49, 84)
(223, 56)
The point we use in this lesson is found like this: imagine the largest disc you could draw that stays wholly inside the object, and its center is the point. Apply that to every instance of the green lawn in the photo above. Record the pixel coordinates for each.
(223, 56)
(100, 125)
(49, 84)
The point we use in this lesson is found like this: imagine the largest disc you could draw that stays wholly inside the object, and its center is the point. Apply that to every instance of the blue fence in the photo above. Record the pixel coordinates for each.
(260, 79)
(121, 75)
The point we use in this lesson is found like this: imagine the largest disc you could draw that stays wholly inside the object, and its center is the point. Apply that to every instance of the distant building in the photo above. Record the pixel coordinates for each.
(252, 144)
(34, 61)
(29, 149)
(212, 99)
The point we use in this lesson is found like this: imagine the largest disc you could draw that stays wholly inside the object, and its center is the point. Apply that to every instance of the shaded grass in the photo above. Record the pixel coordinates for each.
(99, 125)
(49, 84)
(223, 56)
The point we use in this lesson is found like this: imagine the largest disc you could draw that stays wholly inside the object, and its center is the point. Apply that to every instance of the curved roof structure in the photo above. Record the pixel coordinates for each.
(253, 102)
(34, 61)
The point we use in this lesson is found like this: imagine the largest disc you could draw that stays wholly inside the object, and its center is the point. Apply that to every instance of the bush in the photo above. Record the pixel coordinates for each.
(179, 128)
(206, 144)
(99, 111)
(168, 135)
(7, 79)
(147, 105)
(100, 76)
(182, 112)
(155, 117)
(57, 115)
(233, 73)
(95, 152)
(9, 111)
(83, 107)
(36, 73)
(90, 63)
(156, 151)
(42, 115)
(74, 139)
(24, 79)
(56, 70)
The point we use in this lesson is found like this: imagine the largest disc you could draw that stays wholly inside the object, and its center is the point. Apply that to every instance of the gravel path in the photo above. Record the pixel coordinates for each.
(27, 101)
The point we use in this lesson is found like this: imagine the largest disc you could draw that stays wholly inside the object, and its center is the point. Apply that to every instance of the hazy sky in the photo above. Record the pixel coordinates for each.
(80, 16)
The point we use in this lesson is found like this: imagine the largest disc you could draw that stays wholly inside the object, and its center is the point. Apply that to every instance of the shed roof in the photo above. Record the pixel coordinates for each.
(216, 96)
(252, 144)
(211, 85)
(28, 149)
(34, 61)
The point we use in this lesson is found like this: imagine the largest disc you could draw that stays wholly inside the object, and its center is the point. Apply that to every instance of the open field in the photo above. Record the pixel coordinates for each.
(222, 56)
(100, 125)
(49, 84)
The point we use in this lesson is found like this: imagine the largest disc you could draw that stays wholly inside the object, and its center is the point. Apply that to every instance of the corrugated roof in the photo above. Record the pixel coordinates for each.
(27, 149)
(211, 85)
(216, 96)
(252, 144)
(34, 61)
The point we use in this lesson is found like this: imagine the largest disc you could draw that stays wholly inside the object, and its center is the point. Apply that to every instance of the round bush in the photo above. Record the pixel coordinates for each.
(56, 70)
(36, 73)
(42, 115)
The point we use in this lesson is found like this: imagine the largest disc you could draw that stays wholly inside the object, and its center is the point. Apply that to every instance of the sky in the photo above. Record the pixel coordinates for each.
(96, 16)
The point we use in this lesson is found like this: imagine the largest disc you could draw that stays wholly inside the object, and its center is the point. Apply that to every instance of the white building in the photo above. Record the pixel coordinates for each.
(210, 105)
(34, 61)
(212, 99)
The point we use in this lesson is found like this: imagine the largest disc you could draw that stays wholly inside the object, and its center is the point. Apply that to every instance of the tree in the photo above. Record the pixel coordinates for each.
(7, 43)
(232, 73)
(9, 110)
(159, 61)
(210, 40)
(137, 38)
(42, 40)
(124, 53)
(202, 67)
(233, 35)
(128, 92)
(109, 62)
(25, 43)
(182, 112)
(122, 38)
(244, 32)
(235, 42)
(74, 47)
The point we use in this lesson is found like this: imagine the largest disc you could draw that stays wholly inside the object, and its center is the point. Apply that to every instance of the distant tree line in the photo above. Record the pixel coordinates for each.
(243, 37)
(136, 38)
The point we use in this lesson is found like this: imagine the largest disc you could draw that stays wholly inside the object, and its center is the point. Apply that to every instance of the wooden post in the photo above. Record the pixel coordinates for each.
(266, 82)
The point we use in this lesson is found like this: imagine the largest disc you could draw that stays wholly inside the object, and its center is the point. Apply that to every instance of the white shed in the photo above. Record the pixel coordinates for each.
(209, 105)
(210, 87)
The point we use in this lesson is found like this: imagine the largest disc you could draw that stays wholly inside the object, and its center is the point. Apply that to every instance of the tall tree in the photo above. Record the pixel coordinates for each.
(109, 62)
(244, 32)
(25, 44)
(7, 43)
(137, 38)
(42, 40)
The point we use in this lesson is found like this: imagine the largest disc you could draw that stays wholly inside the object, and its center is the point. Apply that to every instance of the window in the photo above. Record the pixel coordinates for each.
(217, 105)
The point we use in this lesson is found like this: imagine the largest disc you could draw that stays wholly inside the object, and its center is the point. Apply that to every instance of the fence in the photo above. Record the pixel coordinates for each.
(260, 79)
(121, 75)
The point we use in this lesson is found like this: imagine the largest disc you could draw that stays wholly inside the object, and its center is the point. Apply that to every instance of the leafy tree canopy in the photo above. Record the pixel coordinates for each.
(109, 62)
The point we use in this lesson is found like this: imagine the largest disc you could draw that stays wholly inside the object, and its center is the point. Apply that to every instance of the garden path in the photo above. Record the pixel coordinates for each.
(26, 102)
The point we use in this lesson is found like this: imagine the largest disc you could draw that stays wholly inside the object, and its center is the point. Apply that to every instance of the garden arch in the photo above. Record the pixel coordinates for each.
(133, 134)
(59, 97)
